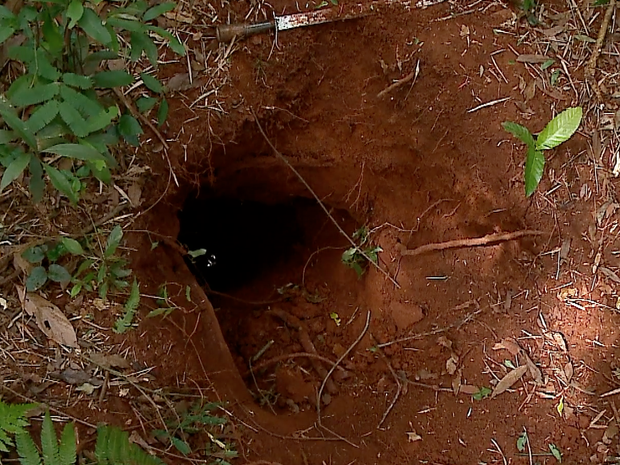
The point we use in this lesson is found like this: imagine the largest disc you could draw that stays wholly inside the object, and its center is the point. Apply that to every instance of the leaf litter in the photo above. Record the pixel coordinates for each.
(49, 318)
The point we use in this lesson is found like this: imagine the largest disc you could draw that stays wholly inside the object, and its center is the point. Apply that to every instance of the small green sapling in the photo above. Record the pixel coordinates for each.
(558, 130)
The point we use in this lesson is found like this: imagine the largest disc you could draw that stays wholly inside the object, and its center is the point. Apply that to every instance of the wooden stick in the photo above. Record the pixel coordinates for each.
(397, 84)
(476, 242)
(591, 65)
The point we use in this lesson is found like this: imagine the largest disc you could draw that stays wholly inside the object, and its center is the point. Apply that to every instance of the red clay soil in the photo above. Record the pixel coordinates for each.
(416, 166)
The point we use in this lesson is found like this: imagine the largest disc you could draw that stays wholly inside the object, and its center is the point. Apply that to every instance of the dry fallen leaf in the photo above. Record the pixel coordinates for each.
(109, 360)
(452, 363)
(509, 344)
(507, 381)
(568, 371)
(525, 58)
(535, 372)
(49, 318)
(412, 436)
(180, 17)
(468, 389)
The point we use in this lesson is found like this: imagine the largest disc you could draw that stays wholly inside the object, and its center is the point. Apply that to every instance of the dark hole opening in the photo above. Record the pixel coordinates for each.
(240, 240)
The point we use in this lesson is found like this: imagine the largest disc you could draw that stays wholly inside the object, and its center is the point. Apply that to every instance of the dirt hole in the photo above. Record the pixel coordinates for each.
(256, 255)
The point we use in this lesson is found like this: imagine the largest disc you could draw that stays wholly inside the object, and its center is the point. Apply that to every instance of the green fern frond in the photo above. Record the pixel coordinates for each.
(86, 106)
(12, 421)
(27, 450)
(67, 450)
(123, 324)
(49, 443)
(113, 448)
(54, 453)
(42, 116)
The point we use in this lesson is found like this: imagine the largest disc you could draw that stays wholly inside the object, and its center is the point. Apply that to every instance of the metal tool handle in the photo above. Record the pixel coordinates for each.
(227, 32)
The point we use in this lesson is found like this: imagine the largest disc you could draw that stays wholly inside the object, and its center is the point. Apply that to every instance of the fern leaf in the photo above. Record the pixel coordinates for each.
(74, 119)
(103, 119)
(67, 451)
(123, 324)
(27, 450)
(12, 421)
(86, 106)
(49, 443)
(113, 447)
(42, 116)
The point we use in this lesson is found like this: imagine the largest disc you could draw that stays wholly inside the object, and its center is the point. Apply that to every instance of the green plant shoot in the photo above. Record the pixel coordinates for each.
(558, 130)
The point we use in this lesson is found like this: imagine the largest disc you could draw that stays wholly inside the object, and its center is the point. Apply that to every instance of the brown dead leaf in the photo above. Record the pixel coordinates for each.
(507, 381)
(535, 372)
(179, 82)
(49, 318)
(412, 436)
(452, 363)
(558, 338)
(457, 381)
(469, 389)
(565, 249)
(509, 344)
(553, 31)
(180, 17)
(530, 91)
(134, 191)
(525, 58)
(443, 341)
(567, 293)
(610, 274)
(568, 371)
(109, 360)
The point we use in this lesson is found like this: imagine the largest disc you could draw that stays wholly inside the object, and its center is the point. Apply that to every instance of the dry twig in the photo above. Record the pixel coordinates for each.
(591, 65)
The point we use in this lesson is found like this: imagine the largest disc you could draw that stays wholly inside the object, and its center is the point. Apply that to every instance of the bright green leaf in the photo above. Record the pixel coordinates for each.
(85, 105)
(36, 185)
(181, 446)
(152, 83)
(72, 246)
(5, 33)
(144, 104)
(130, 129)
(78, 151)
(14, 170)
(158, 10)
(74, 119)
(37, 278)
(522, 442)
(126, 24)
(534, 167)
(37, 94)
(109, 79)
(162, 112)
(60, 182)
(75, 10)
(103, 119)
(520, 132)
(9, 136)
(556, 452)
(34, 254)
(51, 33)
(42, 116)
(559, 129)
(16, 124)
(114, 240)
(58, 274)
(92, 25)
(67, 448)
(77, 80)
